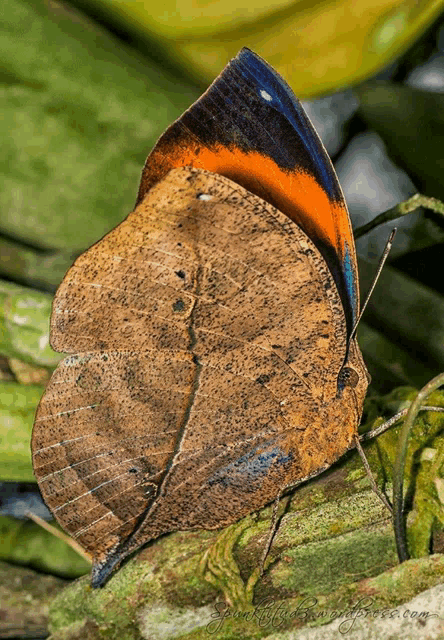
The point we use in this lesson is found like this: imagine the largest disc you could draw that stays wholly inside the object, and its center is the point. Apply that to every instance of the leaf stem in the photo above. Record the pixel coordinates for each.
(59, 534)
(398, 468)
(401, 209)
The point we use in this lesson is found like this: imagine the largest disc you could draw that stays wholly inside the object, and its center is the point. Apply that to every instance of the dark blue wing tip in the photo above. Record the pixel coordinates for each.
(266, 73)
(273, 89)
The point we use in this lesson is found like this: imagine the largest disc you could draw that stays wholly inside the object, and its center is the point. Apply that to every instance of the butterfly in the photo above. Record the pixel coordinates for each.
(211, 334)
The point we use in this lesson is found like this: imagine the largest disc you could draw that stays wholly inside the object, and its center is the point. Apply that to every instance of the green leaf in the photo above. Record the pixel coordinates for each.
(80, 112)
(31, 267)
(26, 543)
(18, 404)
(317, 46)
(24, 325)
(411, 122)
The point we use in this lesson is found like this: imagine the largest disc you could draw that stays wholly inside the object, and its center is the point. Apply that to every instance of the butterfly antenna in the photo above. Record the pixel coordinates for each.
(384, 257)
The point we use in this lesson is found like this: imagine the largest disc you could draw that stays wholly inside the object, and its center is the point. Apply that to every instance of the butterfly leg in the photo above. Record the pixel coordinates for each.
(273, 528)
(371, 477)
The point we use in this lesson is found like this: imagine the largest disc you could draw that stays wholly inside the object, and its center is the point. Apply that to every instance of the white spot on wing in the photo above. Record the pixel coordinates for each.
(265, 95)
(204, 196)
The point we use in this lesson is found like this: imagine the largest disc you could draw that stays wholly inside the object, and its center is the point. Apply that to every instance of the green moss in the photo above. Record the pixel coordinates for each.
(428, 508)
(220, 569)
(355, 474)
(321, 567)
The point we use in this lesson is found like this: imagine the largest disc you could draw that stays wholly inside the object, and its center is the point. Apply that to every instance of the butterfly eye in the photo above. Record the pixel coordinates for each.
(347, 378)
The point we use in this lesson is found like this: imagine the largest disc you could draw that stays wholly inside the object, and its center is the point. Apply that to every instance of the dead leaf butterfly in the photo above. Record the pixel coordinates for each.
(213, 360)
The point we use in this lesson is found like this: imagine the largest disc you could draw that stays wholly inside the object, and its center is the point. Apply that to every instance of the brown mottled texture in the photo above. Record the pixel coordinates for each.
(208, 336)
(25, 597)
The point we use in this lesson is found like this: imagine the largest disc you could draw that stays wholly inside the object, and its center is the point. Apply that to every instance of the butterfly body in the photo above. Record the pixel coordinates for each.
(209, 335)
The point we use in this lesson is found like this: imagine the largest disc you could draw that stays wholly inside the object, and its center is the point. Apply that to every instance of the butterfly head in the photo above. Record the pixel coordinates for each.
(353, 377)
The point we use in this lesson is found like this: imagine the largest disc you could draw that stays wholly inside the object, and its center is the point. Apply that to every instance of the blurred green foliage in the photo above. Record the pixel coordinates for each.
(17, 408)
(25, 543)
(411, 123)
(24, 325)
(80, 111)
(317, 46)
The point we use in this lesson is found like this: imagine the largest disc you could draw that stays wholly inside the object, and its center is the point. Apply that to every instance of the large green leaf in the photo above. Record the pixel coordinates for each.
(26, 543)
(32, 267)
(24, 325)
(317, 46)
(18, 404)
(80, 113)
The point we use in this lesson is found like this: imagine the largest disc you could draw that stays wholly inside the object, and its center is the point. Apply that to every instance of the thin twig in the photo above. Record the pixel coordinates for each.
(369, 435)
(59, 534)
(401, 209)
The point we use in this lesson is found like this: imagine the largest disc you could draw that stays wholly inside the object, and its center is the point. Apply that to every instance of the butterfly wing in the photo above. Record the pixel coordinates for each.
(208, 330)
(249, 127)
(211, 336)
